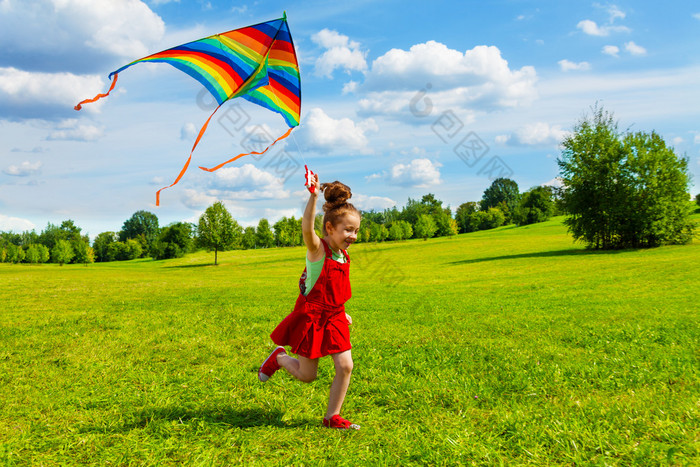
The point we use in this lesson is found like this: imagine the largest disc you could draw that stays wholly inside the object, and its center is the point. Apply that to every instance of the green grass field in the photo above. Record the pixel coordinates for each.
(506, 347)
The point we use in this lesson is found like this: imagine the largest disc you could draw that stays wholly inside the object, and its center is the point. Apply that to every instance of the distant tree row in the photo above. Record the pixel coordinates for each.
(141, 236)
(57, 244)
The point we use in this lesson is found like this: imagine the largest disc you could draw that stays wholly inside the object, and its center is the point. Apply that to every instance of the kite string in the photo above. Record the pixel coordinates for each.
(279, 104)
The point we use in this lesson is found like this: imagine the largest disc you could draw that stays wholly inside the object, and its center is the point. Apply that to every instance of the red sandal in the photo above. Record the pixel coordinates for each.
(270, 365)
(336, 421)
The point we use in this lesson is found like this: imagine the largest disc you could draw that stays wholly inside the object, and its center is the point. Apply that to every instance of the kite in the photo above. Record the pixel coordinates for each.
(257, 63)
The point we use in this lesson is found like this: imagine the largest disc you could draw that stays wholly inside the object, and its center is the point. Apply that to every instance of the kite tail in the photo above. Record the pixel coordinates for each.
(249, 153)
(187, 164)
(99, 96)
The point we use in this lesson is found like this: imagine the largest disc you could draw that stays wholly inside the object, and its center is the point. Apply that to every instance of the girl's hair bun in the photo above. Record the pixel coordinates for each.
(336, 194)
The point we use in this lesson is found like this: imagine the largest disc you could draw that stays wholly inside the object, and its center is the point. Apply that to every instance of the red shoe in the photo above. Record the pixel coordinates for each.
(270, 365)
(336, 421)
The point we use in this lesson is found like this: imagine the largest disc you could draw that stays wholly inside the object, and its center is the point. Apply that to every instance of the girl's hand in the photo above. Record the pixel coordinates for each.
(311, 181)
(347, 316)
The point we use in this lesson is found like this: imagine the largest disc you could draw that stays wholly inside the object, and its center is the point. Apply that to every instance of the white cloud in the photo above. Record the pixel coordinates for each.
(368, 203)
(38, 95)
(592, 29)
(25, 169)
(232, 184)
(696, 140)
(555, 182)
(677, 140)
(534, 134)
(430, 74)
(635, 49)
(615, 13)
(611, 50)
(350, 87)
(567, 65)
(15, 224)
(59, 35)
(194, 199)
(323, 131)
(246, 182)
(419, 173)
(72, 130)
(341, 53)
(696, 15)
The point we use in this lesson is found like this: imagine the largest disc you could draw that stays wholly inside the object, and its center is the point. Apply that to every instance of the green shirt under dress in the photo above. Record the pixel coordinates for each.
(313, 269)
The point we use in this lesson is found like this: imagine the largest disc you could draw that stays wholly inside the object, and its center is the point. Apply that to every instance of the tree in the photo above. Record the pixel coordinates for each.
(141, 226)
(174, 241)
(53, 233)
(466, 217)
(657, 211)
(101, 245)
(425, 227)
(84, 254)
(365, 232)
(248, 239)
(379, 233)
(62, 252)
(15, 254)
(407, 229)
(44, 254)
(283, 236)
(536, 205)
(489, 219)
(697, 199)
(414, 209)
(395, 232)
(296, 237)
(502, 191)
(133, 249)
(117, 251)
(622, 191)
(217, 230)
(263, 234)
(32, 254)
(446, 225)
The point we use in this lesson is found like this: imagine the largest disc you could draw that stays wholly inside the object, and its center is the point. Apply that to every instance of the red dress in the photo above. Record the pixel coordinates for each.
(318, 327)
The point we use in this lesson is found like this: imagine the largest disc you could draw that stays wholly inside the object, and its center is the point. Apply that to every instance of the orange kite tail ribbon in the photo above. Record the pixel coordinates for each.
(99, 96)
(248, 153)
(187, 164)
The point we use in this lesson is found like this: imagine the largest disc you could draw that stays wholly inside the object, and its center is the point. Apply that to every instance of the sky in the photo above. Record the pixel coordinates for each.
(399, 99)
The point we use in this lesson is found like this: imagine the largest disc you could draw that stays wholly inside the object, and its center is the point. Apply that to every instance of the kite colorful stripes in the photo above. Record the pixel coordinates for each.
(257, 63)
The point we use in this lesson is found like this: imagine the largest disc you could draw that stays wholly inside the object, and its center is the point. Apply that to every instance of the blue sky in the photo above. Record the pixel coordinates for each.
(399, 99)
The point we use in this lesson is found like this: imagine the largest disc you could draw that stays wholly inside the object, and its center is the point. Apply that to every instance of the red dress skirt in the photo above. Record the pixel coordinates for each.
(318, 327)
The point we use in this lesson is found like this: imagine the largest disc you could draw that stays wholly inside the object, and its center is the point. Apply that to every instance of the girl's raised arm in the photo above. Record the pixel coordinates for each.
(311, 240)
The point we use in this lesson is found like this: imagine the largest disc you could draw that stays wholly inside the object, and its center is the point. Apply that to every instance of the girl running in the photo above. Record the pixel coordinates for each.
(319, 326)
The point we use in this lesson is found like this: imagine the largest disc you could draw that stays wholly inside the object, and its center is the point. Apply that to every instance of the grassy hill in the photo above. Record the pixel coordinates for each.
(510, 346)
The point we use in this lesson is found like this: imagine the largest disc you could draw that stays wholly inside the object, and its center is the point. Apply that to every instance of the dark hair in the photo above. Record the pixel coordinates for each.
(337, 195)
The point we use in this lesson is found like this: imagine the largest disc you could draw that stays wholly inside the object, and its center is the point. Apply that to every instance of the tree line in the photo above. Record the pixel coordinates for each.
(141, 236)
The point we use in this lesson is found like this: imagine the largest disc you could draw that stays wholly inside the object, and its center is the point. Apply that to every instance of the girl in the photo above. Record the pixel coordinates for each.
(318, 326)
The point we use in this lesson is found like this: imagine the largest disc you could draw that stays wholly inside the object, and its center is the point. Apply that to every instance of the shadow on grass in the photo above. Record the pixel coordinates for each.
(226, 416)
(541, 254)
(181, 266)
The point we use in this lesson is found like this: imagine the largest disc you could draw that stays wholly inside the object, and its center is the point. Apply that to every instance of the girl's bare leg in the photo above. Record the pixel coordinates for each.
(304, 369)
(341, 381)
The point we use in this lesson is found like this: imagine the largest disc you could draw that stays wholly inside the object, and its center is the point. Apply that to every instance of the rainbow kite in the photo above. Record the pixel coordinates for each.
(257, 63)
